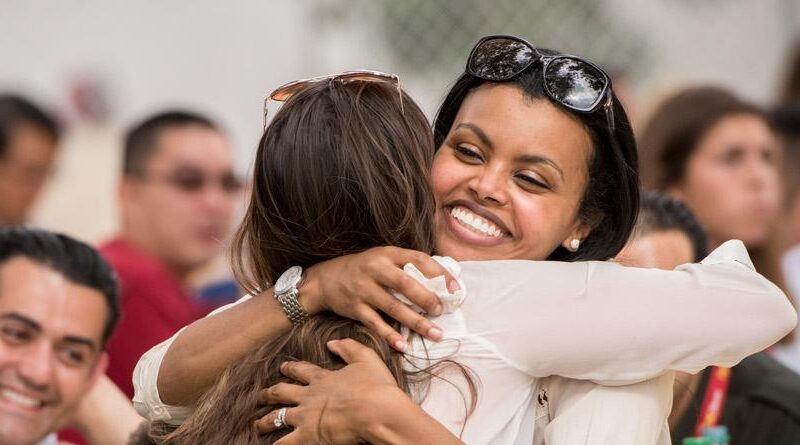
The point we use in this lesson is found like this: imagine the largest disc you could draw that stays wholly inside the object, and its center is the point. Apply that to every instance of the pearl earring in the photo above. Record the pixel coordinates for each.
(575, 244)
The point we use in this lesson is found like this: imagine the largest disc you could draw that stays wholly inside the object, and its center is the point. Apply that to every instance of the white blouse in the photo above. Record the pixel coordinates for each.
(598, 321)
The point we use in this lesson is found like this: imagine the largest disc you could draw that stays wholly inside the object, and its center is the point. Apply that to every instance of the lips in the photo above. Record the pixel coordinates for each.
(475, 222)
(470, 225)
(481, 212)
(20, 400)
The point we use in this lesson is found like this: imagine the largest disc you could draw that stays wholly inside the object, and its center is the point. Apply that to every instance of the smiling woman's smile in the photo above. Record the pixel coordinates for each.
(509, 178)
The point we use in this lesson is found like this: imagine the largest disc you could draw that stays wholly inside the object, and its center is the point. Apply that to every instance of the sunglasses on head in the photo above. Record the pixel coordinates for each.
(575, 83)
(286, 91)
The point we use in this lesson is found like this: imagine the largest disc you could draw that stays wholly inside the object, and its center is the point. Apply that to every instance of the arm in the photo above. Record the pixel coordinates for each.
(180, 369)
(105, 416)
(358, 403)
(604, 322)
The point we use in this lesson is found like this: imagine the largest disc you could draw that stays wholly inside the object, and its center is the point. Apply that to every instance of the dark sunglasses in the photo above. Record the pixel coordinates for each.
(192, 181)
(575, 83)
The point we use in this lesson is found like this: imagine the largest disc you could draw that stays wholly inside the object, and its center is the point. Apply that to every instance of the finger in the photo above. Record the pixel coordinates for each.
(352, 351)
(302, 372)
(427, 265)
(281, 394)
(399, 311)
(375, 323)
(412, 289)
(296, 437)
(266, 424)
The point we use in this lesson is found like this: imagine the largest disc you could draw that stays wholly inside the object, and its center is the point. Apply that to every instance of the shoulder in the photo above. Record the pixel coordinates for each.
(763, 382)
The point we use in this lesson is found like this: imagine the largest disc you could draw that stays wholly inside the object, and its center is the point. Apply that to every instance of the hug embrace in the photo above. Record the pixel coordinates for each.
(521, 328)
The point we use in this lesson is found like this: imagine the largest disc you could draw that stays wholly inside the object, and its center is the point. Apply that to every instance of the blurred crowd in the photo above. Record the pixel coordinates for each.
(724, 168)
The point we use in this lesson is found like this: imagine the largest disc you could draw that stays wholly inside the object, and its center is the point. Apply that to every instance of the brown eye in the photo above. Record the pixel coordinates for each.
(231, 184)
(72, 356)
(467, 153)
(14, 335)
(188, 181)
(531, 181)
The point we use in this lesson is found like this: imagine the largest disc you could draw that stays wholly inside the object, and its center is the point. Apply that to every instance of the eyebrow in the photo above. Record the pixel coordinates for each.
(81, 340)
(22, 319)
(536, 159)
(526, 158)
(478, 132)
(38, 328)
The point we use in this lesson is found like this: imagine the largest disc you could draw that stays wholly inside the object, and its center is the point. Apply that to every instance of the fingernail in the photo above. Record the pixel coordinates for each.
(437, 310)
(434, 333)
(283, 366)
(400, 345)
(453, 286)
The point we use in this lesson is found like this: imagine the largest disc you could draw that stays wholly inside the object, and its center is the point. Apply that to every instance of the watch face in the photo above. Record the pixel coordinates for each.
(288, 280)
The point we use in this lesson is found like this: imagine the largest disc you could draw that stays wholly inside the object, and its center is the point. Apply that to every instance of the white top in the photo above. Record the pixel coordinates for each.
(599, 321)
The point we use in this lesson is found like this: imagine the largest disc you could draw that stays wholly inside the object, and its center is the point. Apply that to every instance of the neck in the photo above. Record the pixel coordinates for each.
(684, 390)
(142, 244)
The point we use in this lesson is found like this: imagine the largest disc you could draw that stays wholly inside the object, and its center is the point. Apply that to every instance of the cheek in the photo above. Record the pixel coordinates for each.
(543, 222)
(444, 175)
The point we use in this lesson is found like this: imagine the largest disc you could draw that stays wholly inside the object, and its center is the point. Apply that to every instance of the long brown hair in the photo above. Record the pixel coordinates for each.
(342, 167)
(226, 413)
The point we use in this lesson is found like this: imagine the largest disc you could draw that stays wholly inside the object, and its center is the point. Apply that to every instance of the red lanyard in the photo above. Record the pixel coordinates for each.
(714, 399)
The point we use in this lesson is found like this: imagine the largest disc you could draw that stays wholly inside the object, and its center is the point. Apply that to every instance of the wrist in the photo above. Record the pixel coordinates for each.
(386, 416)
(310, 292)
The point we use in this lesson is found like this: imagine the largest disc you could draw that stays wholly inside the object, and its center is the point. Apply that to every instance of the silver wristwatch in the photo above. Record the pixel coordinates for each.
(286, 293)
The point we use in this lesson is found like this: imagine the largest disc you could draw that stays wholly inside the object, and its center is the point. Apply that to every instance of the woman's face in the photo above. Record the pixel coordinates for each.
(509, 178)
(732, 180)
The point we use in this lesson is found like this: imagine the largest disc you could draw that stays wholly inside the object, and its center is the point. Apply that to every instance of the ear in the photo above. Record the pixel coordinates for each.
(99, 369)
(675, 192)
(126, 189)
(580, 232)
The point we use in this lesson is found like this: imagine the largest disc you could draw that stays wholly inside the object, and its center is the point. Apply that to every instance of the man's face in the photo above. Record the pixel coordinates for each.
(50, 348)
(180, 209)
(24, 169)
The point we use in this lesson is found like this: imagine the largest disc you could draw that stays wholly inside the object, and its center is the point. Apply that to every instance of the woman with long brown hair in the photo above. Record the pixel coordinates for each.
(500, 199)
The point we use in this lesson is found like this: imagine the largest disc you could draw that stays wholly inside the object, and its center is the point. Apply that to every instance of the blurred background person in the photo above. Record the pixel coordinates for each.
(786, 119)
(28, 145)
(787, 124)
(176, 199)
(760, 397)
(719, 155)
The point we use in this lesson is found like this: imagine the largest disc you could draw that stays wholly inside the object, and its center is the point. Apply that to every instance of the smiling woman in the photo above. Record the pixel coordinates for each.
(507, 165)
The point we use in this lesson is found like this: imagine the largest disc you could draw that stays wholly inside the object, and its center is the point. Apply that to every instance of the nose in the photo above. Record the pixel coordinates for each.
(490, 186)
(37, 367)
(217, 199)
(761, 173)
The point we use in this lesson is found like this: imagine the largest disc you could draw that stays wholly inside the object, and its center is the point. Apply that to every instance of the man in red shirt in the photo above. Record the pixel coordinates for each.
(176, 197)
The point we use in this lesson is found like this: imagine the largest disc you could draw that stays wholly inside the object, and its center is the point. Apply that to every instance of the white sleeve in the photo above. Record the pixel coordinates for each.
(608, 323)
(146, 399)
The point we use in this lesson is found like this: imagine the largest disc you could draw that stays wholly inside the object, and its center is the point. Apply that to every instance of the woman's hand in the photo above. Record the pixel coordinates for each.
(355, 286)
(358, 403)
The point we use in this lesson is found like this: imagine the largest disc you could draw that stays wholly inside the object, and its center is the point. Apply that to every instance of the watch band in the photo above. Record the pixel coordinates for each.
(291, 306)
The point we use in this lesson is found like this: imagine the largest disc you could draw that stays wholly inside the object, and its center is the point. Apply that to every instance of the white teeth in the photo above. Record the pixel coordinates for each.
(20, 399)
(475, 222)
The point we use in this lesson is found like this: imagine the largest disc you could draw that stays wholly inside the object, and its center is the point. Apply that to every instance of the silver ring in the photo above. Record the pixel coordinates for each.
(280, 421)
